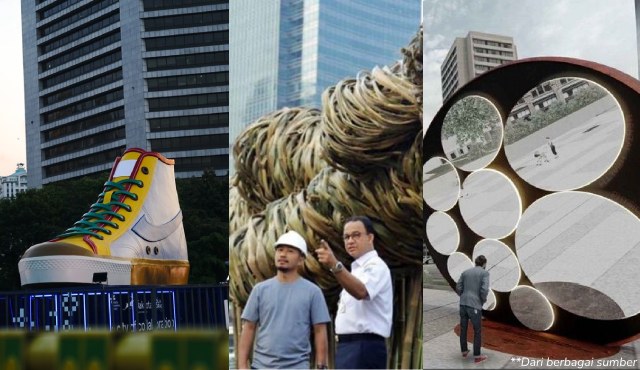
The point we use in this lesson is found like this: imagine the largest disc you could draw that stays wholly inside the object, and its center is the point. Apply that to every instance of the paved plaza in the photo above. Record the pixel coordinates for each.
(441, 346)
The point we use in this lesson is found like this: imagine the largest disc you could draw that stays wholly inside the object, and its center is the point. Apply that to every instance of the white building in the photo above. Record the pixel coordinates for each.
(473, 55)
(545, 94)
(14, 183)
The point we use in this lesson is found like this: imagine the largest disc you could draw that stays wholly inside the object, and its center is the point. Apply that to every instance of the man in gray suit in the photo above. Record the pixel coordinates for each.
(473, 288)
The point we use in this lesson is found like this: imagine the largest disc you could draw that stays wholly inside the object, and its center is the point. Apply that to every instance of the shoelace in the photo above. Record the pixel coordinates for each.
(91, 222)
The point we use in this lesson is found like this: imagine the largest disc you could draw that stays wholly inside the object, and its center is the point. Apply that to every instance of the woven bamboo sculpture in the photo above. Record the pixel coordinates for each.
(308, 170)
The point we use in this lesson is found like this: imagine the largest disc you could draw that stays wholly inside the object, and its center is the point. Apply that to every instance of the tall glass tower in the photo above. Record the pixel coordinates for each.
(287, 52)
(105, 75)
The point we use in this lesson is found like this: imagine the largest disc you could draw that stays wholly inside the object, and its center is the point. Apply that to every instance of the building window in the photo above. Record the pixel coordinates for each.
(523, 113)
(83, 68)
(89, 85)
(84, 143)
(189, 102)
(91, 160)
(190, 143)
(84, 124)
(83, 106)
(84, 49)
(189, 122)
(188, 81)
(548, 102)
(168, 4)
(186, 20)
(187, 41)
(79, 33)
(188, 61)
(51, 10)
(68, 19)
(214, 162)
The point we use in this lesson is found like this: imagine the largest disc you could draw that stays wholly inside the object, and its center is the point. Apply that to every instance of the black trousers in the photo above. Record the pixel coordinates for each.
(366, 353)
(475, 315)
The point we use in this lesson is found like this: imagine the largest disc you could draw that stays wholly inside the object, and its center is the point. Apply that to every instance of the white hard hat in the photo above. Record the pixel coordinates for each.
(293, 239)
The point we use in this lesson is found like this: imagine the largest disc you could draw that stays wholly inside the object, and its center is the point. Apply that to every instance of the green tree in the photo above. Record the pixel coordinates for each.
(468, 119)
(205, 207)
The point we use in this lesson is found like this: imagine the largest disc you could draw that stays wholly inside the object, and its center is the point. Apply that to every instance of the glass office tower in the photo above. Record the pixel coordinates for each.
(287, 52)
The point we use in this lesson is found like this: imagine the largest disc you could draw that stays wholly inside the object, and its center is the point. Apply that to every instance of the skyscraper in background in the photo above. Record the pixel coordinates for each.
(105, 75)
(473, 55)
(287, 52)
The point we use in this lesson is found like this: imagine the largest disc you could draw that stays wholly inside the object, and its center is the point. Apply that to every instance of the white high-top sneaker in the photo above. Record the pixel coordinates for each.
(133, 233)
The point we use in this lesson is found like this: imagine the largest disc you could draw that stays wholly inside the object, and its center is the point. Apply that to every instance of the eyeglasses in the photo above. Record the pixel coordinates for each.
(355, 236)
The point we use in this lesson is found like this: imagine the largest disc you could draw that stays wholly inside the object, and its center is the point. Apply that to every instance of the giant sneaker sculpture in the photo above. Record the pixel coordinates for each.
(133, 233)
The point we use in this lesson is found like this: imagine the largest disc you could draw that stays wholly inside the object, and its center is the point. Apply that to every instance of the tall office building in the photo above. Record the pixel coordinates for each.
(287, 52)
(105, 75)
(473, 55)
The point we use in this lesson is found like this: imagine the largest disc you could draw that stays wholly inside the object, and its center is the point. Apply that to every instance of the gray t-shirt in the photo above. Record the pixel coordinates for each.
(284, 313)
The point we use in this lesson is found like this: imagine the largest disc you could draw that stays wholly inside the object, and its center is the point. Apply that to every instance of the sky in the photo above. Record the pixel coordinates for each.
(584, 29)
(12, 134)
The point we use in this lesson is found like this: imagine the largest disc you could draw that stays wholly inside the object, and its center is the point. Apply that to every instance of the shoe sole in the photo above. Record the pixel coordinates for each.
(81, 269)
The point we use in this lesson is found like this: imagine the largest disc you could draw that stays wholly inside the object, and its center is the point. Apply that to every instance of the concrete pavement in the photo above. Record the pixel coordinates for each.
(441, 346)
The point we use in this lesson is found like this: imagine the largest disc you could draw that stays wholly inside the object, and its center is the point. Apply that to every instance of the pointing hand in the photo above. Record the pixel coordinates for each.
(325, 255)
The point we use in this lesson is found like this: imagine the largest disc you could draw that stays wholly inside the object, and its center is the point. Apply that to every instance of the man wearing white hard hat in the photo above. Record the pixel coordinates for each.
(283, 310)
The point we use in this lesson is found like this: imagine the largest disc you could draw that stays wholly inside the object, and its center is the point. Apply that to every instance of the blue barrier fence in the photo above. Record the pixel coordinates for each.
(116, 308)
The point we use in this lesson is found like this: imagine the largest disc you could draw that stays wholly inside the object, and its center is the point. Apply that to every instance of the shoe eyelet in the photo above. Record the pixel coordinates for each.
(148, 249)
(155, 250)
(145, 170)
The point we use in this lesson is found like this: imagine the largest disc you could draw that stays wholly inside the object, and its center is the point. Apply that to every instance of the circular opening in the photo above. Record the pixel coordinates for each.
(491, 302)
(442, 233)
(531, 308)
(581, 250)
(490, 204)
(441, 184)
(502, 264)
(564, 134)
(457, 264)
(472, 133)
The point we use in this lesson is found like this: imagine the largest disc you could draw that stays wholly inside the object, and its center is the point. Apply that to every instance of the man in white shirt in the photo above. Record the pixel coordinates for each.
(365, 309)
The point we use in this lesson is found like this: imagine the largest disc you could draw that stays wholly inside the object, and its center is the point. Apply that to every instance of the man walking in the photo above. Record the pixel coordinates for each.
(473, 288)
(552, 147)
(283, 309)
(365, 309)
